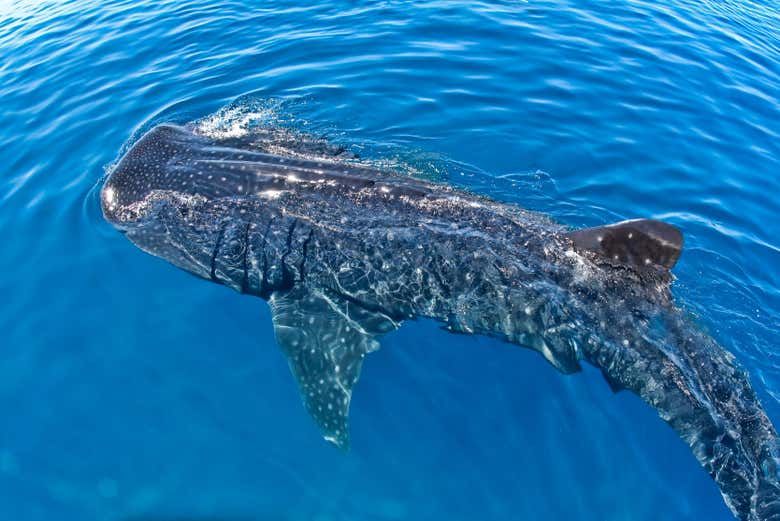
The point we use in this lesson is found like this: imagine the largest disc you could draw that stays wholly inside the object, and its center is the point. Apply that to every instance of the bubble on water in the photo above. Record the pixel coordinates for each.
(237, 120)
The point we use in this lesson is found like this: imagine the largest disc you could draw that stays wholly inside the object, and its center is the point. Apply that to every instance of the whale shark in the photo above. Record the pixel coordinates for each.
(345, 253)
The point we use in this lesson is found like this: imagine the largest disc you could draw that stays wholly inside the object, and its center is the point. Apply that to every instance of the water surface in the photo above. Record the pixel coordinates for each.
(133, 390)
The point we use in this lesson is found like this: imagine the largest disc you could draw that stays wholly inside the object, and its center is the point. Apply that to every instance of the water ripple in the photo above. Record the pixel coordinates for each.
(590, 110)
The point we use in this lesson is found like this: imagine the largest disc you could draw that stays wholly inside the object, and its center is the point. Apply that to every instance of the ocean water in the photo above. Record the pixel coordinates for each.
(130, 390)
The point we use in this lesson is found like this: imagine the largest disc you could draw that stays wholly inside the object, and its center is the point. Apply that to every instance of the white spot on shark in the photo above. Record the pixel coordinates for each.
(270, 194)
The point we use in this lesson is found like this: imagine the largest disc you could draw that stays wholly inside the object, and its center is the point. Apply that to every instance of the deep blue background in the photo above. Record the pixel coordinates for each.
(130, 389)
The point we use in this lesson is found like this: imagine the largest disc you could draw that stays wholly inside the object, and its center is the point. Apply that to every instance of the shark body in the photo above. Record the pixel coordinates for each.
(344, 253)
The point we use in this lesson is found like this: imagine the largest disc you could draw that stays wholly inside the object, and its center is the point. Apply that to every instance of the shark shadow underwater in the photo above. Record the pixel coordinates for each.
(344, 253)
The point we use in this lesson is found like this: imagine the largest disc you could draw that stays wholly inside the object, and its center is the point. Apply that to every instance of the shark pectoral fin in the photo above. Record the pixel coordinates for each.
(325, 340)
(639, 242)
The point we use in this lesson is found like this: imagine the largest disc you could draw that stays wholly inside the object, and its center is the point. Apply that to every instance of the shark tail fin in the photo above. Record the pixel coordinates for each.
(638, 243)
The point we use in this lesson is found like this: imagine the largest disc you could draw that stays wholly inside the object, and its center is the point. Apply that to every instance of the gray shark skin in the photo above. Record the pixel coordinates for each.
(344, 253)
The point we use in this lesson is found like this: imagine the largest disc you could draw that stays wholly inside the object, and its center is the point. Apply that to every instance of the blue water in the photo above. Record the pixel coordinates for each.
(130, 390)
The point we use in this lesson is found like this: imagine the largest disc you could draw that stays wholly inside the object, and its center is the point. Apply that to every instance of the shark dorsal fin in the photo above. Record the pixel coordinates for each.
(638, 243)
(325, 339)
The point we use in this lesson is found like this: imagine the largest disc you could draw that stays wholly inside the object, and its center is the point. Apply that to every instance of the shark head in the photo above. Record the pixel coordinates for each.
(192, 199)
(160, 166)
(167, 195)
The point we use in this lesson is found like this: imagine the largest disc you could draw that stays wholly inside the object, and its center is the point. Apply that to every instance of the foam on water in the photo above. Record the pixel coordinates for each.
(239, 119)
